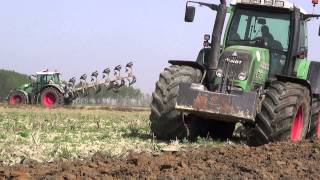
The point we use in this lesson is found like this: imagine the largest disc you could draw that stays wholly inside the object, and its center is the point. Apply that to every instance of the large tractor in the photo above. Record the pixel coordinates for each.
(258, 75)
(47, 89)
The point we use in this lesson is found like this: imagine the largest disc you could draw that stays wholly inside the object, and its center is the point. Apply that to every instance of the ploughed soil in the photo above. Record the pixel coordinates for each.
(281, 160)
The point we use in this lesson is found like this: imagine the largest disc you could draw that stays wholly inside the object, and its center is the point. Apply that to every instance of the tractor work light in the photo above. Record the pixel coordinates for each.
(279, 3)
(245, 1)
(275, 3)
(207, 37)
(255, 1)
(268, 2)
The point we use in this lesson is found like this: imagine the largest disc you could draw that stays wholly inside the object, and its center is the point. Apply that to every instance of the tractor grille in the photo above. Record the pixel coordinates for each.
(232, 65)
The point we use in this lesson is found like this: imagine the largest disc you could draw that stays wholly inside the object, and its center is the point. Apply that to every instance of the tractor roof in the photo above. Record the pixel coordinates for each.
(47, 73)
(270, 3)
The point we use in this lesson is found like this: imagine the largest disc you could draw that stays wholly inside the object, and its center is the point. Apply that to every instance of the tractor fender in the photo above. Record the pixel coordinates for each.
(188, 63)
(302, 82)
(295, 80)
(59, 88)
(23, 92)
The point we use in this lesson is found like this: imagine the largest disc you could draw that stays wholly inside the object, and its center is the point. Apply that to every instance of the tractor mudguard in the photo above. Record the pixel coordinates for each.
(314, 77)
(23, 92)
(235, 107)
(188, 63)
(291, 79)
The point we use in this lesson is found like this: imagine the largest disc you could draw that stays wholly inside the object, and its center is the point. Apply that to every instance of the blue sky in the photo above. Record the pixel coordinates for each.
(80, 36)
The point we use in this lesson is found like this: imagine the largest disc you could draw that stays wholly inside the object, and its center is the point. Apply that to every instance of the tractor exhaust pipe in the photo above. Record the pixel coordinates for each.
(216, 41)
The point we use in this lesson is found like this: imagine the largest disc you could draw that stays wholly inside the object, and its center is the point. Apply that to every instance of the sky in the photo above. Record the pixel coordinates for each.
(81, 36)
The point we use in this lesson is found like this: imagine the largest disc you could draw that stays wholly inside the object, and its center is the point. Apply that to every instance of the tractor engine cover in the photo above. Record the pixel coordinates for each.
(237, 107)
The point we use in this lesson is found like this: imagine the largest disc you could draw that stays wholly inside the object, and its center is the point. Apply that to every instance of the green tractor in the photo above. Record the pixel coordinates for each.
(258, 75)
(47, 88)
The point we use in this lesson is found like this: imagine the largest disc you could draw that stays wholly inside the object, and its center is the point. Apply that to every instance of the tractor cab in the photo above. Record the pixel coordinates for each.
(278, 26)
(46, 77)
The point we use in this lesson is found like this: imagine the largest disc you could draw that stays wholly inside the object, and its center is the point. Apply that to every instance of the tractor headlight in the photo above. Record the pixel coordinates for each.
(242, 76)
(219, 73)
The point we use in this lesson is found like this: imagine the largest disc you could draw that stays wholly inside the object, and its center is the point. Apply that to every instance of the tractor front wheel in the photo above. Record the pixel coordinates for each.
(166, 122)
(285, 114)
(17, 98)
(51, 97)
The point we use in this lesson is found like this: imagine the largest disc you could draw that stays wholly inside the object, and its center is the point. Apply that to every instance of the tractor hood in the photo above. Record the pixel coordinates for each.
(24, 86)
(241, 66)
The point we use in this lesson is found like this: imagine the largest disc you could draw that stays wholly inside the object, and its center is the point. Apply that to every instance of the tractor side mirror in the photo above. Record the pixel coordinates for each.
(190, 13)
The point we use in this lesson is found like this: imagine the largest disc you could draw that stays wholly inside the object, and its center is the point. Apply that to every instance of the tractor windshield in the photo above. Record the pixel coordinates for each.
(49, 78)
(262, 29)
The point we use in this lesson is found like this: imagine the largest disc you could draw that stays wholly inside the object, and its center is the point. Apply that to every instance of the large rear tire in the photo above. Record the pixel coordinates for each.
(17, 98)
(166, 122)
(285, 114)
(315, 119)
(51, 97)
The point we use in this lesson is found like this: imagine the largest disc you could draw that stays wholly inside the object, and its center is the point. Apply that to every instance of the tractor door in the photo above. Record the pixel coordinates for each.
(42, 81)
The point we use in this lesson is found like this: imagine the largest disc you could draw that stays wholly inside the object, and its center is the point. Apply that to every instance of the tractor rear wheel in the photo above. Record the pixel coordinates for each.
(315, 119)
(285, 114)
(51, 97)
(17, 98)
(166, 122)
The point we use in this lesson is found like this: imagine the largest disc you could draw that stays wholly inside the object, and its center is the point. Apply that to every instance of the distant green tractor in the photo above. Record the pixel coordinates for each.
(47, 88)
(258, 76)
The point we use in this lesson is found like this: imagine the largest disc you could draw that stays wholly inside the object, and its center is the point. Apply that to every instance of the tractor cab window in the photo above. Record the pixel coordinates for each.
(262, 29)
(48, 78)
(55, 78)
(42, 79)
(303, 40)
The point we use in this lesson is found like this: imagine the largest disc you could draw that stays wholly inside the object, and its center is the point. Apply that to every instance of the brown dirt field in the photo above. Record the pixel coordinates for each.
(275, 161)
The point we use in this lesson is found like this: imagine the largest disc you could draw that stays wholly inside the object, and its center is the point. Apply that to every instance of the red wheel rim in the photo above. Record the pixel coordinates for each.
(297, 126)
(318, 126)
(49, 99)
(17, 99)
